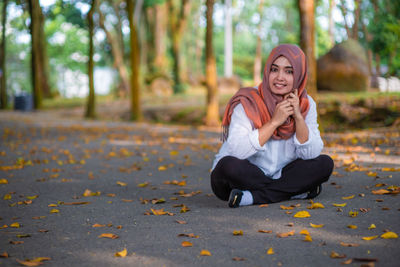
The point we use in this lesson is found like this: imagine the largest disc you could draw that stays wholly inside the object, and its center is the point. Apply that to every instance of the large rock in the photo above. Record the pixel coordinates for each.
(343, 68)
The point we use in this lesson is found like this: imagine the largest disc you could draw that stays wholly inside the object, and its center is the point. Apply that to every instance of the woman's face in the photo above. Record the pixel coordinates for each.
(281, 76)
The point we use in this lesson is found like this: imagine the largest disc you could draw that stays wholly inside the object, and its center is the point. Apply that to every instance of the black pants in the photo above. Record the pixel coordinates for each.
(298, 177)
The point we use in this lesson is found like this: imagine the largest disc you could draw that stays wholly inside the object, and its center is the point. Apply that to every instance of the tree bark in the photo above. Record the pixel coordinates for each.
(136, 112)
(3, 84)
(212, 115)
(160, 29)
(357, 12)
(118, 56)
(344, 13)
(307, 42)
(90, 107)
(177, 24)
(37, 66)
(258, 57)
(332, 5)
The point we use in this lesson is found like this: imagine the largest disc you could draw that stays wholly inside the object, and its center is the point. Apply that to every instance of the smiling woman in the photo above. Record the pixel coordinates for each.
(272, 145)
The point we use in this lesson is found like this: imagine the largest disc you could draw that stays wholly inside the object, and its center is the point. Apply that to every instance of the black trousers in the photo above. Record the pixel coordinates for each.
(298, 177)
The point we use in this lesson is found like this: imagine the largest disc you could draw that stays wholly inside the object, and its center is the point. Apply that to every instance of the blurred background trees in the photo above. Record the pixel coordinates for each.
(159, 47)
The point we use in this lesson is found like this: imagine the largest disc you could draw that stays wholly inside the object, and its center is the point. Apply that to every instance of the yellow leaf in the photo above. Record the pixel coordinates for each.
(143, 184)
(265, 231)
(339, 205)
(54, 211)
(7, 196)
(3, 181)
(121, 183)
(302, 214)
(270, 251)
(349, 197)
(182, 183)
(372, 226)
(184, 209)
(238, 232)
(15, 225)
(121, 253)
(368, 238)
(389, 235)
(40, 259)
(285, 234)
(162, 168)
(380, 192)
(158, 212)
(304, 232)
(316, 225)
(353, 213)
(28, 263)
(316, 206)
(352, 226)
(174, 153)
(337, 255)
(52, 205)
(186, 244)
(285, 207)
(307, 238)
(32, 197)
(205, 252)
(109, 235)
(372, 174)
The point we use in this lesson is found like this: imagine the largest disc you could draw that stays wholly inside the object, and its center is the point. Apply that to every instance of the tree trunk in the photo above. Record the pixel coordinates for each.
(212, 115)
(378, 65)
(258, 57)
(36, 59)
(344, 13)
(228, 39)
(44, 59)
(136, 112)
(160, 29)
(118, 56)
(90, 107)
(307, 42)
(178, 18)
(357, 11)
(3, 84)
(332, 5)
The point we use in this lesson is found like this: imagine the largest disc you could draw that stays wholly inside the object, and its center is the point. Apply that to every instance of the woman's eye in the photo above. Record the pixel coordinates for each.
(274, 69)
(289, 71)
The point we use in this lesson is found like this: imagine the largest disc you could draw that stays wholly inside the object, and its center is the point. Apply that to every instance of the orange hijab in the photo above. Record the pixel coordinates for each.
(259, 104)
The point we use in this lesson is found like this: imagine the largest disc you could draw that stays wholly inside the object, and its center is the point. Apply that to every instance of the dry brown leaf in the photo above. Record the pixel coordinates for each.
(263, 205)
(4, 255)
(349, 244)
(76, 203)
(109, 235)
(186, 244)
(285, 207)
(238, 259)
(237, 232)
(180, 222)
(98, 225)
(265, 231)
(189, 235)
(335, 255)
(349, 261)
(29, 263)
(205, 252)
(285, 234)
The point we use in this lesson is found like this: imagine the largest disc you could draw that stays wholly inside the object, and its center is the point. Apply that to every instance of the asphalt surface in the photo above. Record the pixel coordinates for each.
(47, 164)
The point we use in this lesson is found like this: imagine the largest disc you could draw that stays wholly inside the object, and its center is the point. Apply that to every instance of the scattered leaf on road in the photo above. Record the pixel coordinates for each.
(109, 235)
(186, 244)
(368, 238)
(237, 232)
(270, 251)
(121, 253)
(205, 252)
(389, 235)
(302, 214)
(285, 234)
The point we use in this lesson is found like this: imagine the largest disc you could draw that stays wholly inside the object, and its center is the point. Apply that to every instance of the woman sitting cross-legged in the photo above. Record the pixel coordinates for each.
(272, 146)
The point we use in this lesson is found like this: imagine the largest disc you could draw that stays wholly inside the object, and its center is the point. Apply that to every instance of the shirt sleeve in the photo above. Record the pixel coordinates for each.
(313, 146)
(243, 139)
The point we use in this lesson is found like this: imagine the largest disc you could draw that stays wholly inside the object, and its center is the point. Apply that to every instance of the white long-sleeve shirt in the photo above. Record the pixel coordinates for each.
(243, 143)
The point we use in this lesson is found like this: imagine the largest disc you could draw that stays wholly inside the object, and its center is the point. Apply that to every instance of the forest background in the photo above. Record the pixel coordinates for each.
(187, 57)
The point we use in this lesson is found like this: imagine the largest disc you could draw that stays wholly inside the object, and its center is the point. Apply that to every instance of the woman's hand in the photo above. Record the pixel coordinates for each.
(283, 110)
(294, 101)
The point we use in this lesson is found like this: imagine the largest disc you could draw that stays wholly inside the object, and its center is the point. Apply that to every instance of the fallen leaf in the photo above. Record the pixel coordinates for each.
(307, 238)
(158, 201)
(162, 168)
(349, 197)
(159, 212)
(15, 225)
(189, 235)
(270, 251)
(351, 226)
(143, 184)
(316, 206)
(372, 174)
(98, 225)
(365, 259)
(346, 262)
(265, 231)
(108, 235)
(54, 211)
(316, 225)
(40, 259)
(302, 214)
(238, 259)
(353, 213)
(4, 255)
(304, 232)
(127, 200)
(52, 205)
(263, 205)
(174, 153)
(32, 197)
(3, 181)
(339, 205)
(285, 234)
(121, 253)
(121, 183)
(368, 238)
(186, 244)
(335, 255)
(29, 263)
(76, 203)
(389, 235)
(205, 252)
(237, 232)
(349, 244)
(180, 222)
(285, 207)
(16, 242)
(380, 192)
(184, 209)
(372, 226)
(7, 197)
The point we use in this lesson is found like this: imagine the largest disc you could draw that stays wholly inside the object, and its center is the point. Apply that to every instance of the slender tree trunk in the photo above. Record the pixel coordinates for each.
(160, 29)
(332, 5)
(136, 111)
(90, 107)
(36, 63)
(212, 115)
(178, 20)
(368, 38)
(258, 57)
(118, 28)
(3, 84)
(228, 39)
(357, 12)
(307, 42)
(118, 56)
(378, 65)
(344, 13)
(44, 59)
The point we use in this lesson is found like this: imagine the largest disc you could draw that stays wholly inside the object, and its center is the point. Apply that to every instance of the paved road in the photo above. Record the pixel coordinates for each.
(50, 163)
